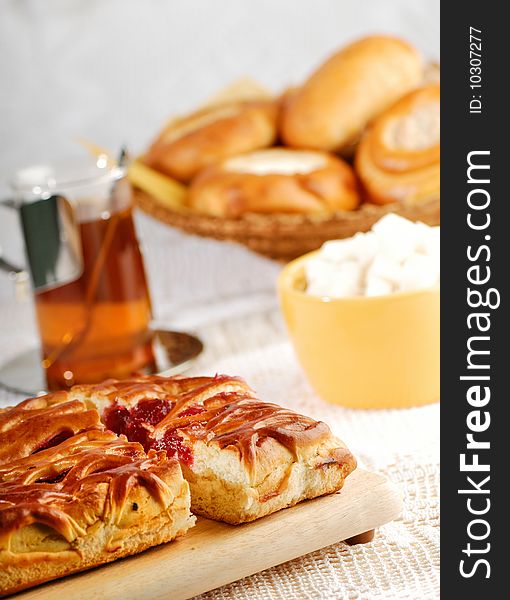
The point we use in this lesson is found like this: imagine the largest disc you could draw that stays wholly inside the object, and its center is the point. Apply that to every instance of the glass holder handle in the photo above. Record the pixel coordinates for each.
(19, 276)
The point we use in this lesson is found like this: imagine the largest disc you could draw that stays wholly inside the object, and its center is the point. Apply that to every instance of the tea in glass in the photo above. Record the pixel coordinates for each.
(95, 325)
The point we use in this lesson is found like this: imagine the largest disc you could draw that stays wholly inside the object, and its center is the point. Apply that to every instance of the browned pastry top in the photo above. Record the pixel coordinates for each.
(130, 391)
(39, 423)
(65, 471)
(61, 468)
(231, 419)
(171, 413)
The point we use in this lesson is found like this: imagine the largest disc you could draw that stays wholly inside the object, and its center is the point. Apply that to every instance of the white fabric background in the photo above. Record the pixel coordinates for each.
(113, 71)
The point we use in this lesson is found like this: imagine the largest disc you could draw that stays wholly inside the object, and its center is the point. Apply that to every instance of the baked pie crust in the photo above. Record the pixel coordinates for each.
(242, 458)
(90, 499)
(74, 494)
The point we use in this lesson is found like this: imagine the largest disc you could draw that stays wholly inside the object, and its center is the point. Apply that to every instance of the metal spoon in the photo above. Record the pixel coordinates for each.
(175, 352)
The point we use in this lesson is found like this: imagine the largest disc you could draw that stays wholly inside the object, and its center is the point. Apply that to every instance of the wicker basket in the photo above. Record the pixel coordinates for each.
(283, 237)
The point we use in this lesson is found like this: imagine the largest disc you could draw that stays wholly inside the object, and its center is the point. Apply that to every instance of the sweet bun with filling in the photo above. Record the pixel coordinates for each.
(276, 180)
(398, 158)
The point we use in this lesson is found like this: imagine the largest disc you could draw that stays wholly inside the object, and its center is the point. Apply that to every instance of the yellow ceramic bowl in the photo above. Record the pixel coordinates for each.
(373, 352)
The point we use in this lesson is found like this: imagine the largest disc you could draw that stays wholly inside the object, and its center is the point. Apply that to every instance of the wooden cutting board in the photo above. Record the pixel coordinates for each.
(213, 554)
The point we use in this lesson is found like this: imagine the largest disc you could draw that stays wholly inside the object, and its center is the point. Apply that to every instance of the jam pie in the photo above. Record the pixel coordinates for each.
(75, 493)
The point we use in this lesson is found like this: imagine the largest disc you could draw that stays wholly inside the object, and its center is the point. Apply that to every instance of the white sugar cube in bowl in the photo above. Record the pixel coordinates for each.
(363, 315)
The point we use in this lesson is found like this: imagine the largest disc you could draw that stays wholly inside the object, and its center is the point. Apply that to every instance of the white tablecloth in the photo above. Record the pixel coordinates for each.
(226, 295)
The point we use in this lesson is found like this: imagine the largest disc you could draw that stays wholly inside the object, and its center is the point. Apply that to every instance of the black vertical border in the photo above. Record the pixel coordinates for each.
(462, 132)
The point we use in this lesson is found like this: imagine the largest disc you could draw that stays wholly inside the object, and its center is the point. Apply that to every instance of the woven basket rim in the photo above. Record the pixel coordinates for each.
(281, 235)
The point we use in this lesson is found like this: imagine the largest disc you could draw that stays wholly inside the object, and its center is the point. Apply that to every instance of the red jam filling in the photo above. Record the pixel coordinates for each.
(53, 441)
(143, 416)
(138, 423)
(116, 418)
(133, 424)
(191, 410)
(138, 432)
(173, 444)
(151, 411)
(55, 479)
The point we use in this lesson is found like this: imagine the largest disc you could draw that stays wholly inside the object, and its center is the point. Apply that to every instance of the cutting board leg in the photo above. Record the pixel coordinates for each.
(361, 538)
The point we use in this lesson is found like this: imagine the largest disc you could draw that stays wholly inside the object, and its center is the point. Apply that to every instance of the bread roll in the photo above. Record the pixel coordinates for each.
(398, 158)
(357, 83)
(188, 144)
(277, 180)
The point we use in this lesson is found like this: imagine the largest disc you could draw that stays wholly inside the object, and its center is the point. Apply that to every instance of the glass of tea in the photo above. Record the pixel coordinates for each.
(90, 290)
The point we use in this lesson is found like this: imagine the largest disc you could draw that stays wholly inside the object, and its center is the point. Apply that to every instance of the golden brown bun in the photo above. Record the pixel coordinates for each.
(333, 107)
(188, 144)
(398, 159)
(277, 180)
